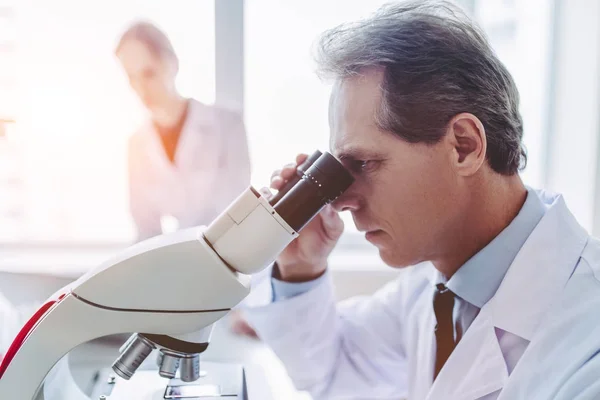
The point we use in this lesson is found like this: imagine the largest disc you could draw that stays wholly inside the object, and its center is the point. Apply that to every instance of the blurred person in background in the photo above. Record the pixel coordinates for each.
(188, 161)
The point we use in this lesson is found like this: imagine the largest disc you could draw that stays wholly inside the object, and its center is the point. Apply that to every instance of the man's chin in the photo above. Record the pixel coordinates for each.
(394, 260)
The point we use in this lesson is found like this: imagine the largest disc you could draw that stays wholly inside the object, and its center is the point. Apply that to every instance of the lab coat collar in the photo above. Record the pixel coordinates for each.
(477, 367)
(200, 118)
(200, 123)
(540, 270)
(200, 113)
(480, 277)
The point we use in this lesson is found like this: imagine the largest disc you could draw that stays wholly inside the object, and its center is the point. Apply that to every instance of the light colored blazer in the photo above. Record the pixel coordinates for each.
(211, 168)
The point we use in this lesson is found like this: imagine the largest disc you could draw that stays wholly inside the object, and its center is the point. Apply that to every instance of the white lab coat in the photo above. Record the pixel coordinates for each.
(211, 168)
(382, 347)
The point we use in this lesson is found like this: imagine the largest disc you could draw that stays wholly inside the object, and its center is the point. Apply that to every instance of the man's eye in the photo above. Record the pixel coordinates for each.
(359, 166)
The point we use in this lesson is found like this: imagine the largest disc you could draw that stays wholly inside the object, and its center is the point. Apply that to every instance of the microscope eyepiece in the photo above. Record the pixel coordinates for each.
(323, 181)
(300, 171)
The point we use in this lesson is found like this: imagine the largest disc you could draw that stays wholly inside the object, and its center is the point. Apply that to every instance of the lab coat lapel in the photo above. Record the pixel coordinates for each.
(424, 361)
(476, 367)
(199, 125)
(538, 276)
(200, 118)
(539, 272)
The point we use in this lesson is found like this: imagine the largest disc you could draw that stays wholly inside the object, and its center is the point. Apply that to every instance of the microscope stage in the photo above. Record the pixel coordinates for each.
(217, 381)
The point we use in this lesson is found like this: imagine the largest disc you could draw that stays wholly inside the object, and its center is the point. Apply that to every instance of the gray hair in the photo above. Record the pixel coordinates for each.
(152, 37)
(437, 64)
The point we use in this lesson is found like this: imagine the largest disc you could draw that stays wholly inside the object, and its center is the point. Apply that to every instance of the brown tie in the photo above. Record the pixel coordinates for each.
(443, 304)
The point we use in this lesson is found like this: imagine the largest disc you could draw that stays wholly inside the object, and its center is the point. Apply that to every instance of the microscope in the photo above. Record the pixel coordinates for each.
(171, 289)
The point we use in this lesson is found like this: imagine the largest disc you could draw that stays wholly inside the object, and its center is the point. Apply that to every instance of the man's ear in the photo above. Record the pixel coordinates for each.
(467, 137)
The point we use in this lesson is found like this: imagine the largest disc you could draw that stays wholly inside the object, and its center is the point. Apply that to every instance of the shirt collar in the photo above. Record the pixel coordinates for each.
(479, 278)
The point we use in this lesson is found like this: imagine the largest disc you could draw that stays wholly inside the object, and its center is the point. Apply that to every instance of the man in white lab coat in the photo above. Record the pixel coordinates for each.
(502, 299)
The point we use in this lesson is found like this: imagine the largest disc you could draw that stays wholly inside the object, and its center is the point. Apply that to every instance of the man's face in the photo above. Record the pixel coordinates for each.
(405, 196)
(152, 78)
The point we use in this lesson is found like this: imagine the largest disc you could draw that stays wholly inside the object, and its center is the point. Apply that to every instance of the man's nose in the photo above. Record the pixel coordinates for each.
(346, 202)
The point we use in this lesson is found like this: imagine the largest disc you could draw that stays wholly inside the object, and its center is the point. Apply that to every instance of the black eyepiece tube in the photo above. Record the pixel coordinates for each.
(302, 168)
(323, 182)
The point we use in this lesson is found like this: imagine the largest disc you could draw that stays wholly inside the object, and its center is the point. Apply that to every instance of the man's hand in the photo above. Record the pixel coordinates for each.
(305, 258)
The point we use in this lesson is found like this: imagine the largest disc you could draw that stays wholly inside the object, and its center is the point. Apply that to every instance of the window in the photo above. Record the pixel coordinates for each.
(11, 210)
(521, 35)
(75, 110)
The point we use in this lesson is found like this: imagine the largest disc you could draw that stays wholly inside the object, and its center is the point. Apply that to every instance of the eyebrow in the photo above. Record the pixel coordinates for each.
(352, 154)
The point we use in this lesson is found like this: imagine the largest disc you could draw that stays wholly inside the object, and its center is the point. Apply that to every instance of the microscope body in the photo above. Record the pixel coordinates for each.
(170, 289)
